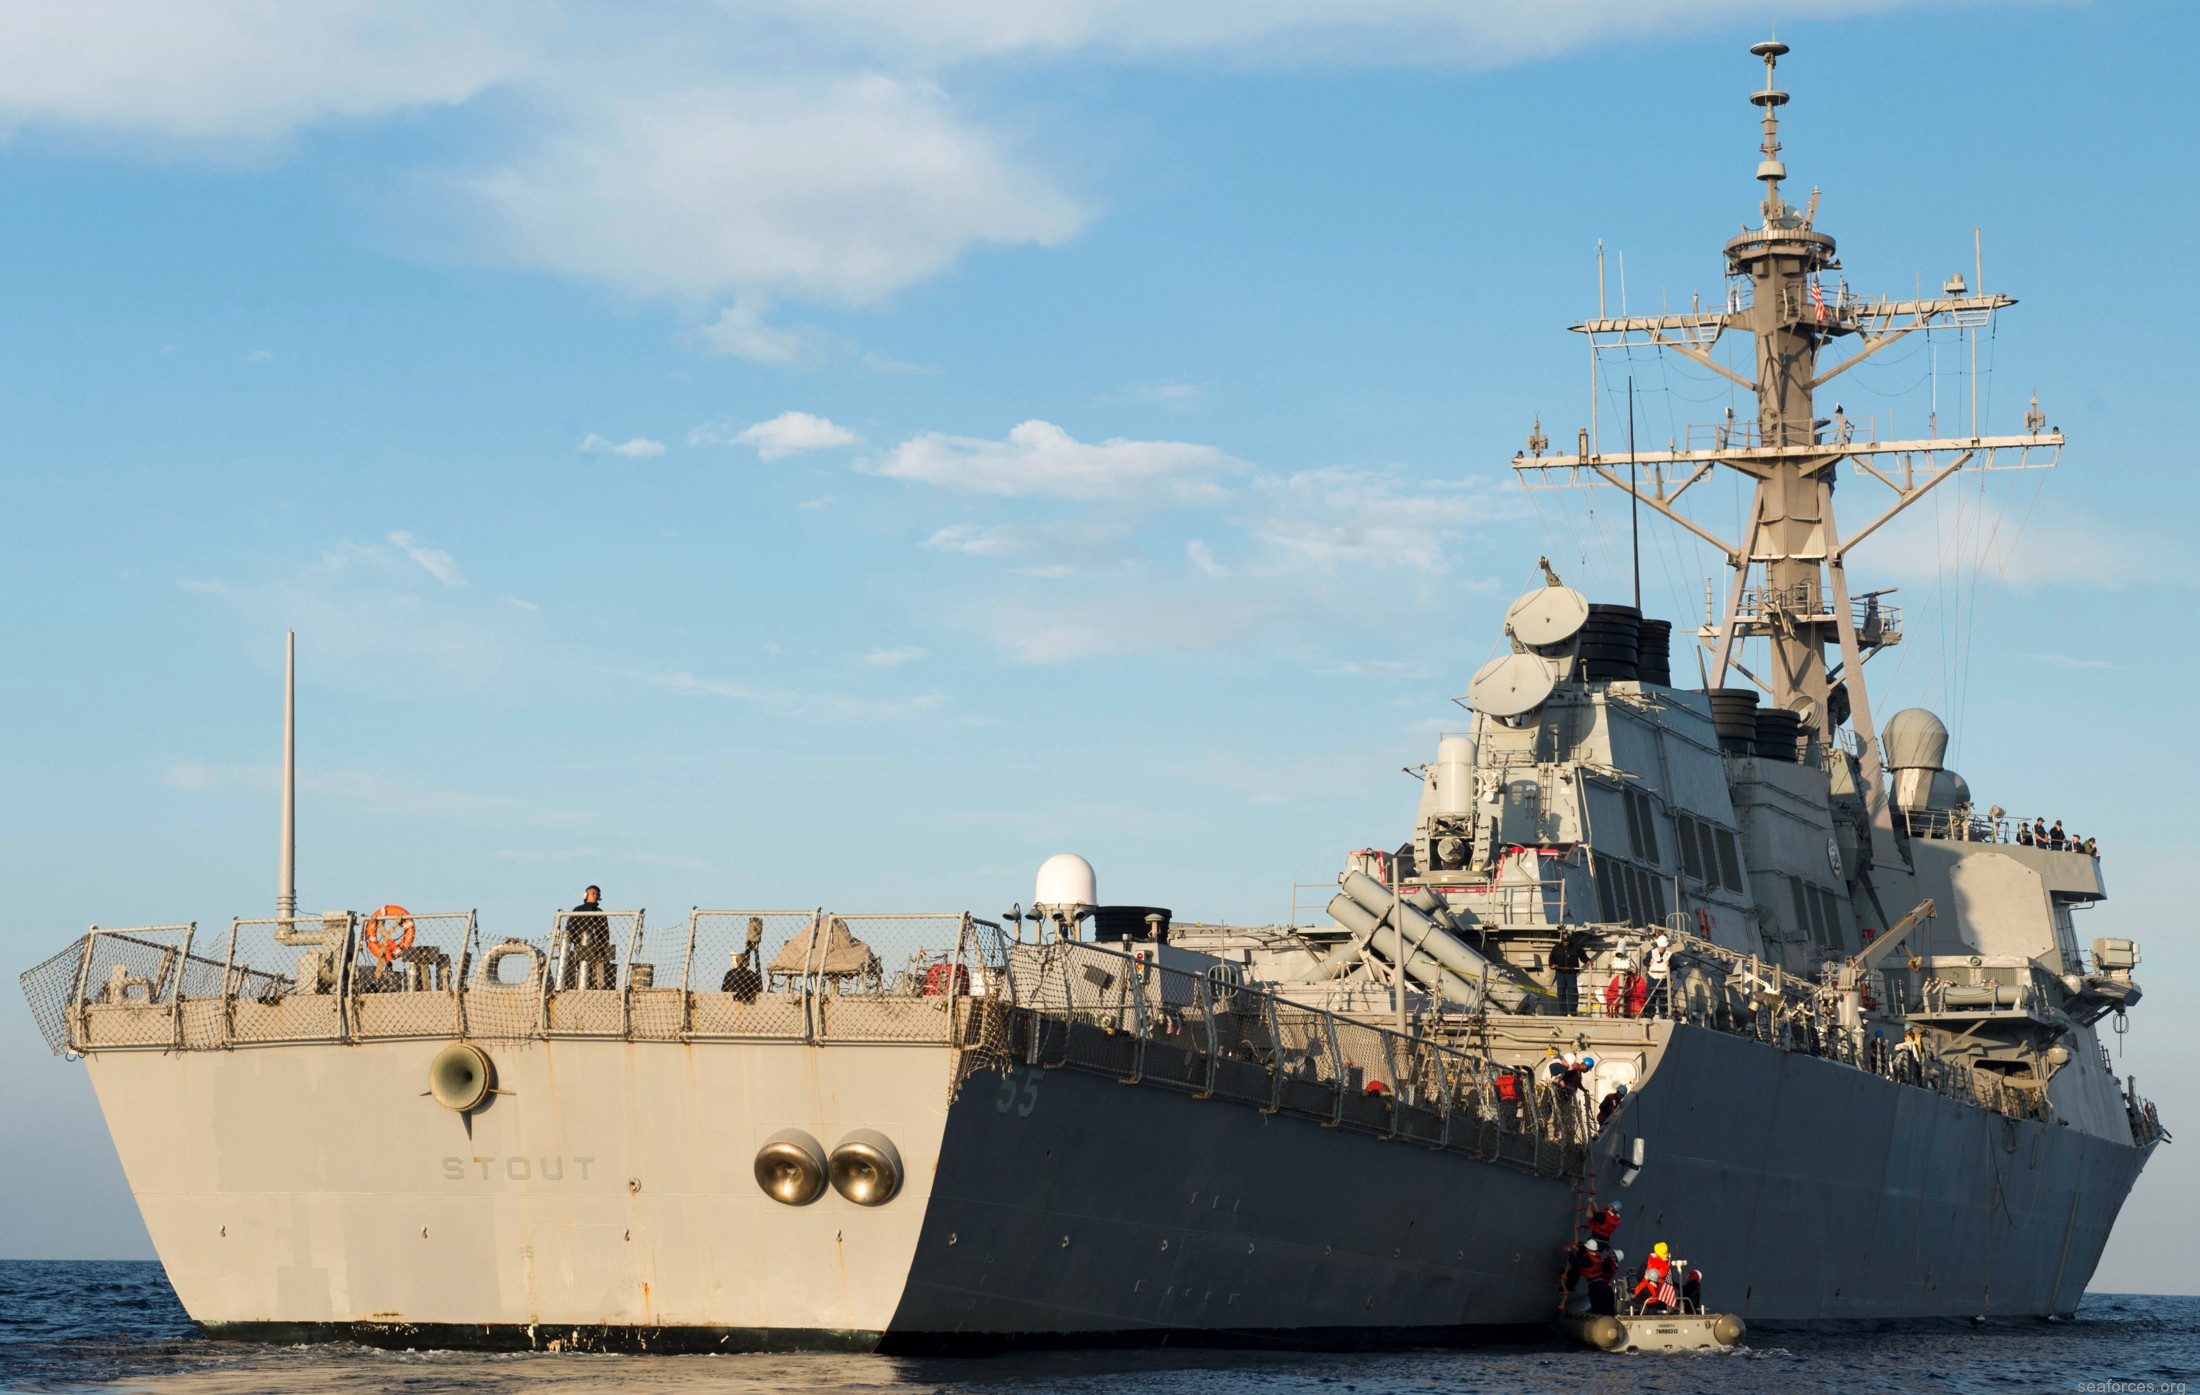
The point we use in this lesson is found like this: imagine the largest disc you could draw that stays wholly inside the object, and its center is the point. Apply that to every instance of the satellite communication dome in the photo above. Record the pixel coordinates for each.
(1066, 879)
(1914, 739)
(1949, 791)
(1547, 615)
(1511, 686)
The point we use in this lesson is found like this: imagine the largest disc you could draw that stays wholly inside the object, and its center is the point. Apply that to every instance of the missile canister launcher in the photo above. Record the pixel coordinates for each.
(1732, 953)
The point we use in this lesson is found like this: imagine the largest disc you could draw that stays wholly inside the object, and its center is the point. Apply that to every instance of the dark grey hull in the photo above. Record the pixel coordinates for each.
(1809, 1192)
(1123, 1212)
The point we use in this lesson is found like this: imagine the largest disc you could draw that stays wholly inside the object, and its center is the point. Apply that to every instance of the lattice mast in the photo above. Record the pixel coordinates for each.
(1817, 632)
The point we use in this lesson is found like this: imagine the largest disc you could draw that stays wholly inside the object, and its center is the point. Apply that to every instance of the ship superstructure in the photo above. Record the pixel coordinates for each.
(1855, 1024)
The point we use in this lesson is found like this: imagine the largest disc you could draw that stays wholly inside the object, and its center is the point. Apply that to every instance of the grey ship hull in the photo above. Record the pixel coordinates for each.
(1811, 1192)
(1146, 1213)
(606, 1203)
(1052, 1205)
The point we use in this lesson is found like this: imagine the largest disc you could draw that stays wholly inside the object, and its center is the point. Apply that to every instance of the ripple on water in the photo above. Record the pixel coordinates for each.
(116, 1326)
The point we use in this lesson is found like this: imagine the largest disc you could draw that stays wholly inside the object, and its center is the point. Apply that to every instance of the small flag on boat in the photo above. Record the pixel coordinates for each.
(1666, 1295)
(1818, 301)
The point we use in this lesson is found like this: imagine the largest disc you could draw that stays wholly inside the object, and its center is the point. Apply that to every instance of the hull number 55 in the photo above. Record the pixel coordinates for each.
(1019, 1091)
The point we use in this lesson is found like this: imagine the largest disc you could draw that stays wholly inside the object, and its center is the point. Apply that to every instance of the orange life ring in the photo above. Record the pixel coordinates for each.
(388, 932)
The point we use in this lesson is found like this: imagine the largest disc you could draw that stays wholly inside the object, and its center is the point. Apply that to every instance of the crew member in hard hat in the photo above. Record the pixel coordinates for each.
(1656, 1274)
(1610, 1104)
(1603, 1280)
(1658, 969)
(1692, 1291)
(1604, 1221)
(1508, 1090)
(1578, 1258)
(1624, 995)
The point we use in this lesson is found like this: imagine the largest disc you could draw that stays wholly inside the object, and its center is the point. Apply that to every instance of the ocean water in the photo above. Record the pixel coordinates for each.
(117, 1327)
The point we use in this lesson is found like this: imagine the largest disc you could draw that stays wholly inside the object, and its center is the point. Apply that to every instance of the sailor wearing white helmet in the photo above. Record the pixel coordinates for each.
(1658, 968)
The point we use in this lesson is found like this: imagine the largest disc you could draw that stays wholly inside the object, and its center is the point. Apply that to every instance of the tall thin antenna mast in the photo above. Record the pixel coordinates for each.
(1818, 636)
(286, 874)
(1634, 497)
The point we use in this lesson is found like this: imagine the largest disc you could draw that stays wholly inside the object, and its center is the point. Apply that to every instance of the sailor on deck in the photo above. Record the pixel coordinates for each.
(1906, 1055)
(1568, 957)
(1624, 995)
(1658, 968)
(588, 955)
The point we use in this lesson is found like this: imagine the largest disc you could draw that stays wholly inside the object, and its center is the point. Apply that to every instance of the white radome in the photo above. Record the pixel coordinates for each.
(1066, 879)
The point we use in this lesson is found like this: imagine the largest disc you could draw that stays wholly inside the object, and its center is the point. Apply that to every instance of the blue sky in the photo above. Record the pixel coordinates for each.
(845, 453)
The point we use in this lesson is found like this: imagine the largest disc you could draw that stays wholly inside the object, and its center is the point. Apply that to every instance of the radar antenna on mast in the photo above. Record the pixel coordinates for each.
(1818, 635)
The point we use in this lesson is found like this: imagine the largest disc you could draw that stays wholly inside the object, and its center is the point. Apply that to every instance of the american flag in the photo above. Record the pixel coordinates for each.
(1818, 301)
(1666, 1295)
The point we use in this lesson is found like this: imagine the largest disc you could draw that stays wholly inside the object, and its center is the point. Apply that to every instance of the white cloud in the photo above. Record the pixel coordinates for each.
(789, 433)
(1326, 518)
(379, 606)
(740, 331)
(1057, 548)
(895, 658)
(640, 448)
(203, 588)
(2065, 661)
(716, 153)
(1203, 557)
(516, 603)
(259, 356)
(977, 540)
(842, 189)
(1059, 631)
(1414, 33)
(2023, 547)
(434, 561)
(1040, 459)
(248, 70)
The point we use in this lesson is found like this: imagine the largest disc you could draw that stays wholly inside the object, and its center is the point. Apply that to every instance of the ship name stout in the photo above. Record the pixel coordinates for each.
(513, 1169)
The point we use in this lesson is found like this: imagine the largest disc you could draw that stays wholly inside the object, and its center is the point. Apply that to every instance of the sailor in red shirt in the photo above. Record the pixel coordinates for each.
(1604, 1221)
(1627, 992)
(1657, 1280)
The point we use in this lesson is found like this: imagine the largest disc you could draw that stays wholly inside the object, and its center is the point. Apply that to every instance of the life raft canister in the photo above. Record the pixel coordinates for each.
(938, 977)
(388, 932)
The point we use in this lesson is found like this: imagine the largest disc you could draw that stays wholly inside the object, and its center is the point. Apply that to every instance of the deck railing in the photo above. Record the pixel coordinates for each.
(797, 976)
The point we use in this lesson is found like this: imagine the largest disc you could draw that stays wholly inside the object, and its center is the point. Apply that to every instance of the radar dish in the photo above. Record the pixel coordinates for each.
(1547, 615)
(1511, 686)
